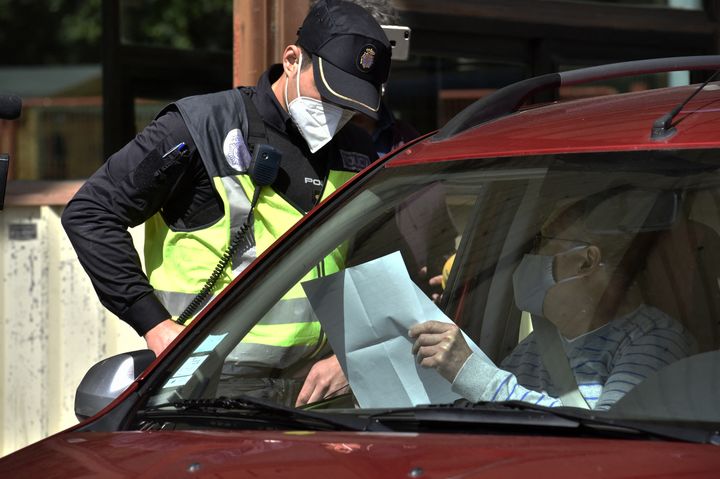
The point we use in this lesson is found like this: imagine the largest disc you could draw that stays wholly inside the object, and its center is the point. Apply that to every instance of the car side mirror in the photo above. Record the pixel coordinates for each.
(106, 380)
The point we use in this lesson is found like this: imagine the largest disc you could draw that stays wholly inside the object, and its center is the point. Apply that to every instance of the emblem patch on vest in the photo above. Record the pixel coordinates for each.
(235, 150)
(354, 161)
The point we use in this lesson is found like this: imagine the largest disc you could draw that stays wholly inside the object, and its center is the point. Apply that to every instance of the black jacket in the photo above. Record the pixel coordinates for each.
(135, 183)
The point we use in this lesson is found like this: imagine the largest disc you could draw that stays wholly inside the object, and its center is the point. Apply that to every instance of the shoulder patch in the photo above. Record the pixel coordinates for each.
(235, 150)
(354, 161)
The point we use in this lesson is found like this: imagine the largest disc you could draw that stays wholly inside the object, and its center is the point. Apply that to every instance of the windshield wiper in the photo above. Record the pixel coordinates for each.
(602, 420)
(508, 414)
(247, 408)
(458, 415)
(461, 415)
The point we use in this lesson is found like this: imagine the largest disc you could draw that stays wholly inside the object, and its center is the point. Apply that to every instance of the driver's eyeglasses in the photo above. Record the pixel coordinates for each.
(540, 241)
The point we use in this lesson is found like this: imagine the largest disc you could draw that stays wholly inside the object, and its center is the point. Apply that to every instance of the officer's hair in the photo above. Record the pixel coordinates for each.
(382, 11)
(307, 59)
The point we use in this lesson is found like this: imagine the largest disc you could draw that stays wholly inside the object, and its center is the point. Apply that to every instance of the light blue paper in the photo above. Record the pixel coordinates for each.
(366, 312)
(209, 343)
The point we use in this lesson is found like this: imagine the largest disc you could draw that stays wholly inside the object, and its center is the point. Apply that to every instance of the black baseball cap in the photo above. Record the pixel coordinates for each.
(350, 54)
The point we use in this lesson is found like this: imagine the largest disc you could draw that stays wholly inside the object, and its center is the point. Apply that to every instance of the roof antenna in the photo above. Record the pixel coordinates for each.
(663, 127)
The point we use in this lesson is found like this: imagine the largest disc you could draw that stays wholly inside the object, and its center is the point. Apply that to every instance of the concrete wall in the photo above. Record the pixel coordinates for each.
(53, 327)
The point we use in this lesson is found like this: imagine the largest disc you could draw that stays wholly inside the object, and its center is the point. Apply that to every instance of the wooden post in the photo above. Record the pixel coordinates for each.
(250, 40)
(261, 31)
(290, 15)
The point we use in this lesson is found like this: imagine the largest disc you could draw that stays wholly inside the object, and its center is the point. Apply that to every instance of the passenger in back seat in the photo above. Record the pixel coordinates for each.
(584, 282)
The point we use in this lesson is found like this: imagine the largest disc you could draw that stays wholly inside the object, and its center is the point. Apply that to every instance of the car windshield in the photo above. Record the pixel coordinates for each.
(586, 281)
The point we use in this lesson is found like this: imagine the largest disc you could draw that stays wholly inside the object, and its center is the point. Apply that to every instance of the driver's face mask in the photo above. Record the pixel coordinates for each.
(532, 280)
(318, 121)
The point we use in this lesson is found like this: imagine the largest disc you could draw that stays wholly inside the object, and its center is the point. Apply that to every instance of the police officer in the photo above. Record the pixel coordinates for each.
(186, 176)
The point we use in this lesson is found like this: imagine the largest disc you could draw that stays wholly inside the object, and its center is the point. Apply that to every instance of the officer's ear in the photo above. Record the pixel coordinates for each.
(291, 60)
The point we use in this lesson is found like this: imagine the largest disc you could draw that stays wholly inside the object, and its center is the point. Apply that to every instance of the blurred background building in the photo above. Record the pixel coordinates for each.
(94, 72)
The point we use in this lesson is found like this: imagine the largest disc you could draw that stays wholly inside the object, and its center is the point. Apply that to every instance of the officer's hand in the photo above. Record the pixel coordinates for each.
(325, 379)
(440, 346)
(159, 337)
(436, 282)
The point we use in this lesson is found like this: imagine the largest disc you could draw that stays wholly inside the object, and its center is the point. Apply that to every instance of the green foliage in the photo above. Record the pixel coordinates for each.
(204, 25)
(36, 32)
(50, 31)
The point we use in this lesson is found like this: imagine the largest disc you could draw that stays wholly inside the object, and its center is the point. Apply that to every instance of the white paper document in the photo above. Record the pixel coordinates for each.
(366, 312)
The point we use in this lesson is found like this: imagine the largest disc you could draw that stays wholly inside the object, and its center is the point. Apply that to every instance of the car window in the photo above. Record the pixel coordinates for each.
(616, 253)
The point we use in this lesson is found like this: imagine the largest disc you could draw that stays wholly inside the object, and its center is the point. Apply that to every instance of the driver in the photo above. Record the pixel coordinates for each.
(583, 282)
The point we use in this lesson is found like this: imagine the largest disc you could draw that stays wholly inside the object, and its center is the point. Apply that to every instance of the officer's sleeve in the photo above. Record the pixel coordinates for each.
(129, 188)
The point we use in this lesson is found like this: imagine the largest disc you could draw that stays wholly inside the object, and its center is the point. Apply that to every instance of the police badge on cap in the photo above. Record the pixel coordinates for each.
(350, 54)
(366, 60)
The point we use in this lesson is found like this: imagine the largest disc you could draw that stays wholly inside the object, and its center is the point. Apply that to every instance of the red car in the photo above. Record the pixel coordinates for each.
(576, 244)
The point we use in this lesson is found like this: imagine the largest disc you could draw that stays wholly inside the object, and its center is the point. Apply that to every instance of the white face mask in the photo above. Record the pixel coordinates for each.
(318, 121)
(532, 280)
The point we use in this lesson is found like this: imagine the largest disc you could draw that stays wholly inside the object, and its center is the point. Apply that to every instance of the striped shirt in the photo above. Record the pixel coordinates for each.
(607, 362)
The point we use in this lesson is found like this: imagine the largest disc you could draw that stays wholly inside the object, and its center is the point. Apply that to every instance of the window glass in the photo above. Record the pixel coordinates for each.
(621, 85)
(58, 74)
(614, 254)
(59, 78)
(428, 90)
(146, 109)
(59, 138)
(680, 4)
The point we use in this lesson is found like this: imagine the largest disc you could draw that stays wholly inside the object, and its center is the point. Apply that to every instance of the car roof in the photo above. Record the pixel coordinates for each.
(609, 123)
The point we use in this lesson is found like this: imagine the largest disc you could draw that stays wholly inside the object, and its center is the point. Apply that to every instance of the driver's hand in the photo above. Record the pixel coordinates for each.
(159, 337)
(325, 379)
(441, 346)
